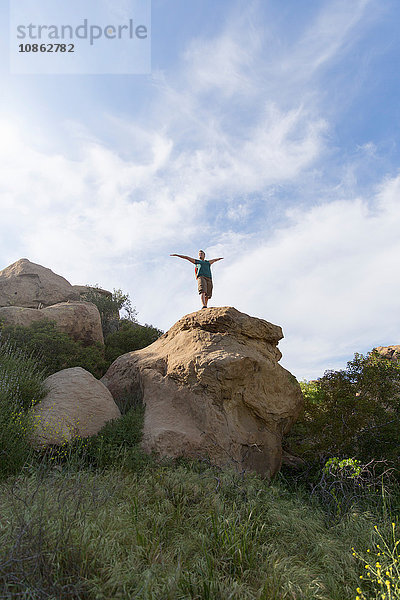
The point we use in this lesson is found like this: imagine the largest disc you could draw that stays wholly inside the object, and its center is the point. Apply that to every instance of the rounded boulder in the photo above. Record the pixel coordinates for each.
(76, 405)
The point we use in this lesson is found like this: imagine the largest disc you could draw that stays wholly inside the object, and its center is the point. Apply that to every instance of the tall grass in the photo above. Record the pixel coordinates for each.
(21, 386)
(177, 532)
(21, 376)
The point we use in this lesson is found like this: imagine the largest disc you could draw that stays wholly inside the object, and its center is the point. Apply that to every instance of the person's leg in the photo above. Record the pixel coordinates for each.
(202, 287)
(209, 290)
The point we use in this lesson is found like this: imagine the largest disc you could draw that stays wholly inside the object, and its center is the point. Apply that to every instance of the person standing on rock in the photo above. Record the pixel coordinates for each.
(203, 274)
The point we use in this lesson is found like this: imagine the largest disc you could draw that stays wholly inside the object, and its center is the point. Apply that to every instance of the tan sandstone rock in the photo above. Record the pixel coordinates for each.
(391, 352)
(29, 285)
(213, 388)
(81, 320)
(84, 289)
(77, 404)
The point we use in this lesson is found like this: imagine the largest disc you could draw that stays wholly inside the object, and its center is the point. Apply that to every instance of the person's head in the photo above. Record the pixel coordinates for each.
(202, 254)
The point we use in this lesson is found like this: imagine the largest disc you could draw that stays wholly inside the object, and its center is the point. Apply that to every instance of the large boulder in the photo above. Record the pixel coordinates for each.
(76, 405)
(29, 285)
(213, 388)
(81, 320)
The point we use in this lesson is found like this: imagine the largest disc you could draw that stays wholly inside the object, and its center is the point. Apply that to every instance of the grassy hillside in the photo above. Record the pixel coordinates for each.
(97, 519)
(156, 530)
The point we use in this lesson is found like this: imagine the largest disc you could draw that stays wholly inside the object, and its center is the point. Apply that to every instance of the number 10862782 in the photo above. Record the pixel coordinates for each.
(46, 48)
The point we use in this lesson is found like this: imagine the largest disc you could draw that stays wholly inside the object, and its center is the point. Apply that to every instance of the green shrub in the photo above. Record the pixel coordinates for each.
(21, 386)
(124, 334)
(110, 306)
(57, 350)
(352, 412)
(116, 445)
(14, 446)
(129, 337)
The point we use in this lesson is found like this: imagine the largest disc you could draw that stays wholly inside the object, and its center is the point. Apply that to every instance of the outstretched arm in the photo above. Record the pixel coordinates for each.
(215, 260)
(192, 260)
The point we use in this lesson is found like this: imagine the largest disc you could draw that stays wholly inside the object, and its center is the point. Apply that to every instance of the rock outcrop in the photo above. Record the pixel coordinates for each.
(80, 320)
(77, 404)
(82, 290)
(390, 352)
(213, 388)
(29, 285)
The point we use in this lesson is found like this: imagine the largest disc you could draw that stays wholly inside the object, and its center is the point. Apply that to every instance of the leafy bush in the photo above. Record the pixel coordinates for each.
(124, 334)
(56, 349)
(352, 412)
(21, 386)
(110, 307)
(347, 484)
(129, 337)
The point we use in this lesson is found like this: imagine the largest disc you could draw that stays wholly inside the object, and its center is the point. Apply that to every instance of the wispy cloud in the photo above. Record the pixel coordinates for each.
(330, 34)
(234, 134)
(329, 279)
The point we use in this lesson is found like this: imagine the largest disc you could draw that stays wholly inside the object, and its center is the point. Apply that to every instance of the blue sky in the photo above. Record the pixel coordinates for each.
(267, 133)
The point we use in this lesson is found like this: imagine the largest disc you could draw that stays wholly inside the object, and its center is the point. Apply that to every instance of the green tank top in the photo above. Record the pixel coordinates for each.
(203, 268)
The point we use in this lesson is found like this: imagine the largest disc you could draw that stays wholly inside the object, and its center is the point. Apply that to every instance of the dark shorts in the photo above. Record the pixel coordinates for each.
(205, 286)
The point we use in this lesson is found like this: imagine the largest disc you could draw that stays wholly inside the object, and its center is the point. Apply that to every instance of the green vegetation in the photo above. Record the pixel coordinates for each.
(57, 350)
(97, 519)
(121, 334)
(130, 336)
(162, 530)
(110, 306)
(382, 564)
(21, 386)
(354, 412)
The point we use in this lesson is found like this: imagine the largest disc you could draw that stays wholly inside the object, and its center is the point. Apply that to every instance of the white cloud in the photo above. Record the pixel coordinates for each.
(329, 279)
(231, 124)
(223, 64)
(96, 204)
(331, 32)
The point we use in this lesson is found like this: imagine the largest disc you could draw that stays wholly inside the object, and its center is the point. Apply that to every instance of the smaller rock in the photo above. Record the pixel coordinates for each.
(80, 320)
(77, 405)
(85, 289)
